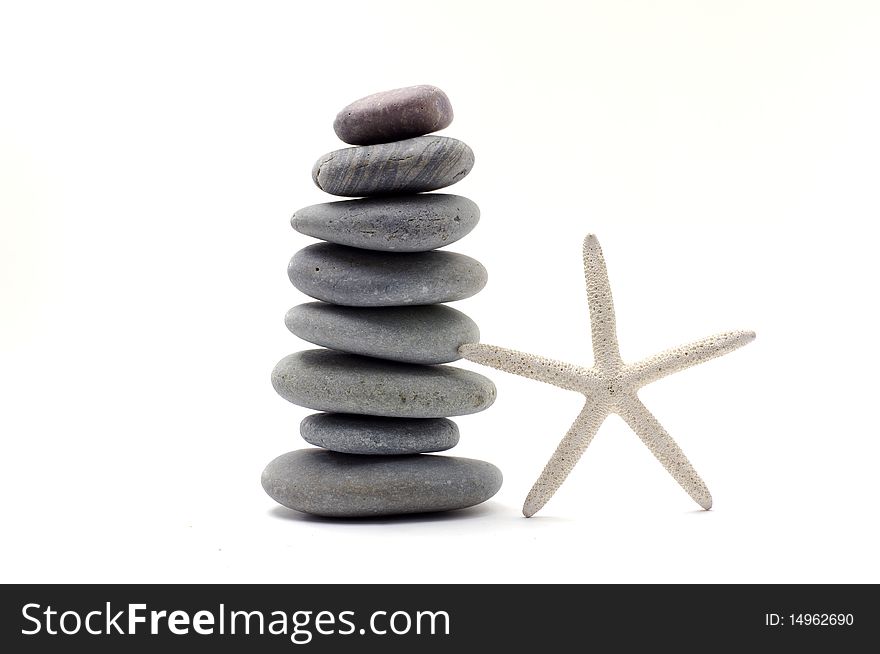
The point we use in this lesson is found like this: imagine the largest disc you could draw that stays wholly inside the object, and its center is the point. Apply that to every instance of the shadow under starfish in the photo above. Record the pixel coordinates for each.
(610, 386)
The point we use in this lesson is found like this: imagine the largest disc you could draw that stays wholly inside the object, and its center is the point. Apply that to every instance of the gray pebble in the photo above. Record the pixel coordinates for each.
(424, 163)
(354, 434)
(347, 485)
(394, 115)
(365, 278)
(326, 380)
(407, 223)
(422, 334)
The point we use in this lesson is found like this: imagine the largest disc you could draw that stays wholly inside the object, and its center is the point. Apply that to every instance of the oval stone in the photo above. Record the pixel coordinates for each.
(424, 163)
(407, 223)
(366, 278)
(394, 115)
(338, 485)
(337, 382)
(354, 434)
(423, 334)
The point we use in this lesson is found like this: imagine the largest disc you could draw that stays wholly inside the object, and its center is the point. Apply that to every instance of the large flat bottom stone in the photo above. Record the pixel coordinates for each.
(331, 484)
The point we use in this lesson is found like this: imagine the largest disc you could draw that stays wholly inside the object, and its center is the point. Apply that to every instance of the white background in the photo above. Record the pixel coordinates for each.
(725, 153)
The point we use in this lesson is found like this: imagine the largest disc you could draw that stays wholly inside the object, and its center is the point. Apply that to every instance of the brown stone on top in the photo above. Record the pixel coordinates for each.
(394, 115)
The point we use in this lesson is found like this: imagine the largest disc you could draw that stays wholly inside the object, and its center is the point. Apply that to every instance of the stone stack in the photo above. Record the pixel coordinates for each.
(381, 323)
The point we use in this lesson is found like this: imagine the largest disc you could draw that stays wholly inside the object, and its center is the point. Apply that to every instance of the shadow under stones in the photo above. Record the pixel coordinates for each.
(479, 511)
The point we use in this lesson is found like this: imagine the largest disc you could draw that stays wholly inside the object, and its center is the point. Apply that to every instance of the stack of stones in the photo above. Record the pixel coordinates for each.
(381, 282)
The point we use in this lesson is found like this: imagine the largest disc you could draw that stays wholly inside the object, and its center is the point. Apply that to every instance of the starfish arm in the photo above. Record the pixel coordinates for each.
(685, 356)
(570, 449)
(602, 320)
(558, 373)
(667, 451)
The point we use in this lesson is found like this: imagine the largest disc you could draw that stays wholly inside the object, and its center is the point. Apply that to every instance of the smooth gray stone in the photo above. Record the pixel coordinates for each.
(407, 223)
(331, 484)
(326, 380)
(394, 115)
(424, 334)
(357, 434)
(364, 278)
(424, 163)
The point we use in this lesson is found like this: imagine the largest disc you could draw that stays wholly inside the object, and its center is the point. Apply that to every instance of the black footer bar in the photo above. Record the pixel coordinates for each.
(427, 618)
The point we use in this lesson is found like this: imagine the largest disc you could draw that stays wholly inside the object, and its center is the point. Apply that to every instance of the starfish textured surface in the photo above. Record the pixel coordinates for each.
(610, 386)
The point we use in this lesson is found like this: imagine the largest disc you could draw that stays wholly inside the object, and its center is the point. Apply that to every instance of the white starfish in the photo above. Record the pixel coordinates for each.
(610, 386)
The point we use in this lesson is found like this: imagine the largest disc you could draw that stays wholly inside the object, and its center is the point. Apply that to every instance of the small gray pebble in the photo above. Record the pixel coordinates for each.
(424, 163)
(326, 380)
(394, 115)
(407, 223)
(354, 434)
(365, 278)
(331, 484)
(422, 334)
